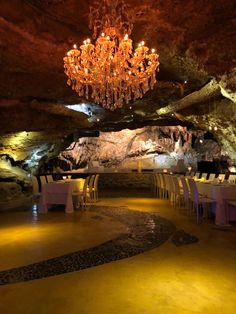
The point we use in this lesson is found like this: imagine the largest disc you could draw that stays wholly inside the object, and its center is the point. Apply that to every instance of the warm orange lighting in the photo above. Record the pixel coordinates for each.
(109, 71)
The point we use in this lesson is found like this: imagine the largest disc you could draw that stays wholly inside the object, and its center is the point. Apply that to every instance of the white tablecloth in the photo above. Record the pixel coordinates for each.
(60, 192)
(219, 192)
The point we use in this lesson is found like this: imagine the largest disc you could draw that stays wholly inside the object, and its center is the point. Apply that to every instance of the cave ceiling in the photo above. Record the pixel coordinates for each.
(196, 84)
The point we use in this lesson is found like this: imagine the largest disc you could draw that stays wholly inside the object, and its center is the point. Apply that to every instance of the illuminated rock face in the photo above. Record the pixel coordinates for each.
(173, 148)
(20, 156)
(153, 147)
(14, 182)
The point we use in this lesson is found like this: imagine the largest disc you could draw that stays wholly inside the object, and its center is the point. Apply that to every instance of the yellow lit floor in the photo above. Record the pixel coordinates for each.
(196, 278)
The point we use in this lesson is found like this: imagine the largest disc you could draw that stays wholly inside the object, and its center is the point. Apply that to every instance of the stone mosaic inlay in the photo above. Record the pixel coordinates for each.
(145, 231)
(180, 237)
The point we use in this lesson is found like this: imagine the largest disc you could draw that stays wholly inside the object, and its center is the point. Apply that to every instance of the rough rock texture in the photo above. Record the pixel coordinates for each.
(131, 180)
(193, 48)
(174, 148)
(9, 190)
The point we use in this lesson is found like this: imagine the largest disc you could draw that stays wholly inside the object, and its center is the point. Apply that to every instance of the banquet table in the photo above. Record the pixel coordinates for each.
(60, 192)
(220, 192)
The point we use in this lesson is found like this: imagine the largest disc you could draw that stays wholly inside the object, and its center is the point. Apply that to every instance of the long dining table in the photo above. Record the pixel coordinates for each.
(60, 192)
(221, 192)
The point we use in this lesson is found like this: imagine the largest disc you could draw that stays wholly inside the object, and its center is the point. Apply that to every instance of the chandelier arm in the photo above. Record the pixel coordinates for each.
(110, 71)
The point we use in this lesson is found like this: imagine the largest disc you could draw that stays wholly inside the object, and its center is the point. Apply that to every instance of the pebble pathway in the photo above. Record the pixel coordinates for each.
(145, 231)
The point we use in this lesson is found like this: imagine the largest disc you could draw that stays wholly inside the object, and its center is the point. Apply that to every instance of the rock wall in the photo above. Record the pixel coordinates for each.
(14, 182)
(125, 180)
(151, 147)
(21, 154)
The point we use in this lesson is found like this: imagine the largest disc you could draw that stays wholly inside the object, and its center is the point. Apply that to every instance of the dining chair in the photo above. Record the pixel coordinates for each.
(200, 204)
(204, 176)
(42, 181)
(164, 186)
(178, 195)
(36, 193)
(232, 178)
(163, 191)
(211, 177)
(154, 184)
(158, 185)
(169, 187)
(84, 195)
(186, 192)
(90, 187)
(221, 177)
(197, 174)
(49, 178)
(95, 187)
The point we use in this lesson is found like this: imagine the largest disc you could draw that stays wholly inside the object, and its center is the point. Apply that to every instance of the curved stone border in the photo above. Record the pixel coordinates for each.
(145, 231)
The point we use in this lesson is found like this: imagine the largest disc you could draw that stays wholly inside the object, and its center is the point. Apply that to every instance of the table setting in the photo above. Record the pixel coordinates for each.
(60, 192)
(221, 192)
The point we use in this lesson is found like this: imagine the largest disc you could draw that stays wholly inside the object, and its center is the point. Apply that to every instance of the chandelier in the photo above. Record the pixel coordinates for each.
(110, 71)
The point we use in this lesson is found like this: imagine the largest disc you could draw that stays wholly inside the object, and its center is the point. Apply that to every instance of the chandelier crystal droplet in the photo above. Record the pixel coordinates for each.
(110, 71)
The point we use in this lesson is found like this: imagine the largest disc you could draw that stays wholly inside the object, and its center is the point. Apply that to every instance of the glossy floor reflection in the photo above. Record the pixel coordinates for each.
(196, 278)
(144, 231)
(28, 238)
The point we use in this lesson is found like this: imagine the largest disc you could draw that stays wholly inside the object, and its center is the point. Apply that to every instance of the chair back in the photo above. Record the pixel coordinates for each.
(204, 176)
(42, 181)
(165, 182)
(91, 182)
(86, 183)
(35, 185)
(185, 188)
(158, 180)
(49, 178)
(162, 182)
(158, 183)
(169, 183)
(232, 178)
(221, 176)
(95, 183)
(212, 176)
(197, 175)
(193, 190)
(175, 183)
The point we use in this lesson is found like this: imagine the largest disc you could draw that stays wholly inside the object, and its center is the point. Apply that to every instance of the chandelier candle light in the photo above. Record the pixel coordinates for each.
(109, 71)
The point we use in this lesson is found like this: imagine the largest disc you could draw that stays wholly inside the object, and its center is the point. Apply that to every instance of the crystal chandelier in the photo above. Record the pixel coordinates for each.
(110, 71)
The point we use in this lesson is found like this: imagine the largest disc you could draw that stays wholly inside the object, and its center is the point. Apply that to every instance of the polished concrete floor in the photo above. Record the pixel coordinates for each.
(195, 278)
